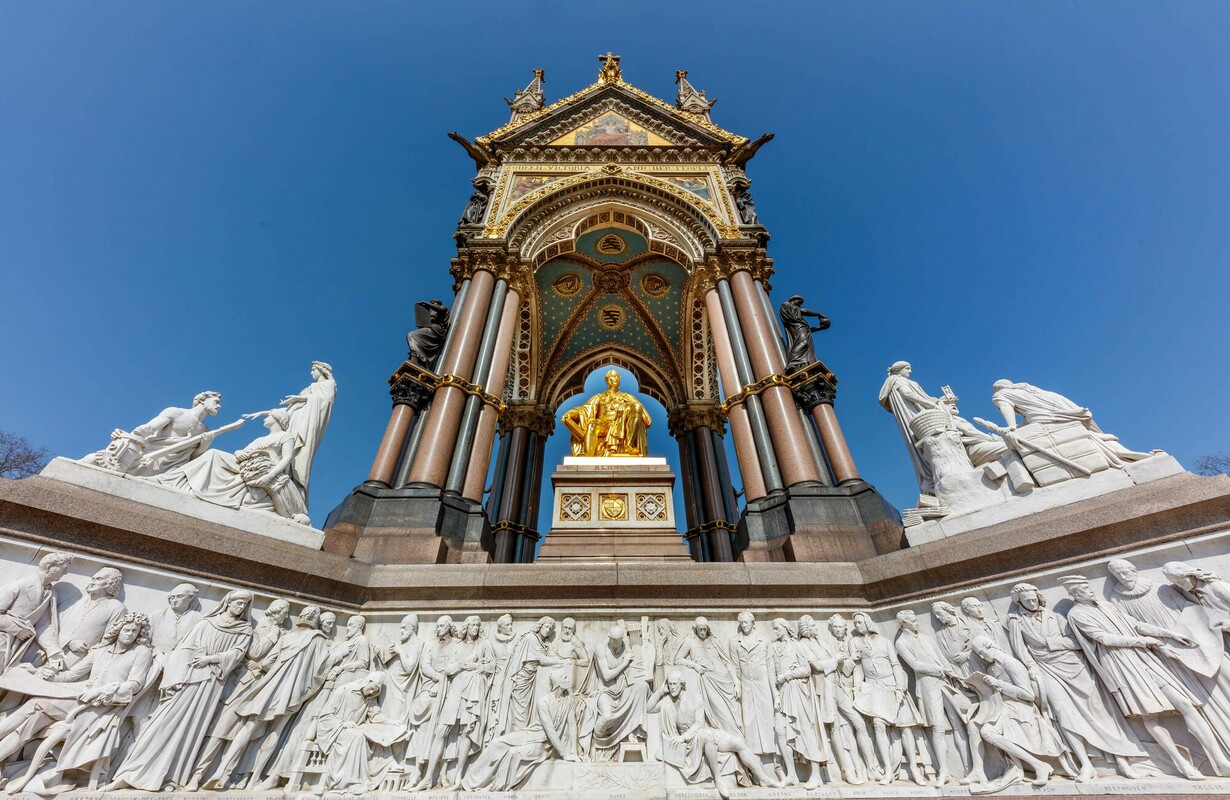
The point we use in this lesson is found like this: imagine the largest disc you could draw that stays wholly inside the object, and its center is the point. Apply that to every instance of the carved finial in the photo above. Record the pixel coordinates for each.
(610, 72)
(690, 101)
(530, 99)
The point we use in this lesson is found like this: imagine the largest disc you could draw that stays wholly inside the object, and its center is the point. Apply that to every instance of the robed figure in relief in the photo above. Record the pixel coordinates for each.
(612, 423)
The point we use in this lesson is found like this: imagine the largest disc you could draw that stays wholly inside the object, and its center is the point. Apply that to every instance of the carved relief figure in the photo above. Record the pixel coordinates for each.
(342, 733)
(667, 641)
(511, 757)
(400, 660)
(1072, 697)
(517, 695)
(881, 693)
(1127, 655)
(799, 732)
(714, 685)
(459, 721)
(694, 748)
(165, 751)
(570, 650)
(82, 624)
(850, 727)
(1204, 587)
(620, 688)
(612, 423)
(749, 653)
(87, 723)
(433, 685)
(28, 610)
(169, 440)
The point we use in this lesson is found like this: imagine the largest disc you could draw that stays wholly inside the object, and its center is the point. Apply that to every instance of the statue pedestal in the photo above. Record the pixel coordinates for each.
(613, 509)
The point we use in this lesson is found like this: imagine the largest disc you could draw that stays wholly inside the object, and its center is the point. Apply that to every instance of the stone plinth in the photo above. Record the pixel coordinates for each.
(613, 509)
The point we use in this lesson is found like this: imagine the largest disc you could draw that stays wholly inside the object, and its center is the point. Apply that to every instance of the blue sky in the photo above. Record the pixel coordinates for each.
(211, 195)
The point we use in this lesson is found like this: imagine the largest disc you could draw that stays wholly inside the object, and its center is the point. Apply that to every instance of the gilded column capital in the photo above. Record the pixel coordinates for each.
(691, 416)
(520, 277)
(737, 257)
(533, 416)
(705, 275)
(813, 385)
(413, 386)
(493, 258)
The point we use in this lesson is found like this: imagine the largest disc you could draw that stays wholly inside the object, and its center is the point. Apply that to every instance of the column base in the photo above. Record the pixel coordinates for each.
(465, 531)
(810, 522)
(388, 526)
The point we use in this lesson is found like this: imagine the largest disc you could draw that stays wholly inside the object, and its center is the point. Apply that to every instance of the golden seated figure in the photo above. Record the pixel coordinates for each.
(612, 423)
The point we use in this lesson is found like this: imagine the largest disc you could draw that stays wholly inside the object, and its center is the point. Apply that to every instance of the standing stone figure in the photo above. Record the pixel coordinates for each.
(850, 728)
(1125, 653)
(905, 399)
(427, 340)
(694, 747)
(518, 695)
(82, 624)
(1072, 697)
(612, 423)
(667, 641)
(570, 650)
(115, 672)
(167, 628)
(940, 704)
(881, 693)
(28, 610)
(749, 653)
(400, 661)
(309, 416)
(800, 350)
(475, 208)
(746, 208)
(799, 732)
(459, 721)
(1201, 586)
(165, 751)
(169, 440)
(714, 685)
(433, 688)
(822, 664)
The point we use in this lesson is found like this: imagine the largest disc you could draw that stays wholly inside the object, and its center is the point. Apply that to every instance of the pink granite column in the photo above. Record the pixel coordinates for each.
(740, 428)
(834, 443)
(493, 383)
(785, 428)
(435, 451)
(390, 446)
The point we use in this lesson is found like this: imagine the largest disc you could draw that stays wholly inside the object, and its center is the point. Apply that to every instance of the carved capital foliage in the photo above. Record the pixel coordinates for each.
(705, 275)
(813, 385)
(694, 415)
(739, 256)
(493, 258)
(535, 417)
(412, 386)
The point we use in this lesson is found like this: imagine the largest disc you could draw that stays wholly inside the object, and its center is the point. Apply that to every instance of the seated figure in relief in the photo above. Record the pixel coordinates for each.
(612, 423)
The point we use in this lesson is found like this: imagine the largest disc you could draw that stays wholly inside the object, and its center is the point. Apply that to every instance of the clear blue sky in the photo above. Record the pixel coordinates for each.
(211, 195)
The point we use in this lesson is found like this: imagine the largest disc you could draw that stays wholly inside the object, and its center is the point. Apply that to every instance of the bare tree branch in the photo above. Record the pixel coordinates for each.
(18, 457)
(1213, 465)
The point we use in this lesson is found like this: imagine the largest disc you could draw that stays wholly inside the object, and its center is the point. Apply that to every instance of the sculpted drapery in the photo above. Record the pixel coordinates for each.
(612, 423)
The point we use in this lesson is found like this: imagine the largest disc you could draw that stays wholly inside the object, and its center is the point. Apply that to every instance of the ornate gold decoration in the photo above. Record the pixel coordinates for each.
(568, 284)
(535, 417)
(693, 415)
(611, 245)
(611, 423)
(613, 507)
(610, 72)
(575, 506)
(473, 389)
(612, 316)
(752, 389)
(736, 257)
(655, 285)
(651, 507)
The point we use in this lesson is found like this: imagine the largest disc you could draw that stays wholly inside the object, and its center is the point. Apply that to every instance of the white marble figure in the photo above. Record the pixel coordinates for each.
(714, 683)
(799, 732)
(310, 410)
(458, 722)
(619, 686)
(88, 725)
(667, 641)
(953, 636)
(1204, 587)
(509, 759)
(881, 693)
(1127, 655)
(822, 664)
(328, 625)
(1076, 703)
(698, 750)
(169, 440)
(433, 683)
(400, 661)
(343, 733)
(167, 628)
(81, 625)
(749, 653)
(29, 610)
(165, 751)
(943, 707)
(905, 399)
(570, 650)
(260, 477)
(850, 726)
(1008, 714)
(1046, 414)
(293, 673)
(519, 693)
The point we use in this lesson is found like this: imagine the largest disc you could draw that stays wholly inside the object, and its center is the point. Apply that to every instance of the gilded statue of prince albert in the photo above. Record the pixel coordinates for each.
(612, 423)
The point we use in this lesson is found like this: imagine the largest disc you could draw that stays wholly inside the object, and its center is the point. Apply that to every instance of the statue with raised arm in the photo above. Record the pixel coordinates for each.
(169, 440)
(800, 350)
(612, 423)
(427, 340)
